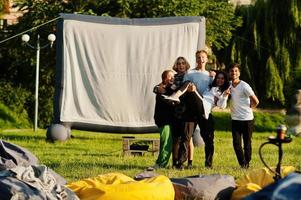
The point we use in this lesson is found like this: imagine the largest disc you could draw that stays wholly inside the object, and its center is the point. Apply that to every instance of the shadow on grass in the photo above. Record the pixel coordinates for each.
(89, 165)
(76, 137)
(79, 155)
(21, 137)
(16, 137)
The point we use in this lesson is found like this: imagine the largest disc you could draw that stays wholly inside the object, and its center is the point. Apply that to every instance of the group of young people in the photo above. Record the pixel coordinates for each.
(185, 98)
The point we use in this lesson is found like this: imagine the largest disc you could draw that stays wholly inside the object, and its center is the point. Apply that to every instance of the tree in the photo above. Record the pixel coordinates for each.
(18, 63)
(268, 48)
(4, 6)
(220, 15)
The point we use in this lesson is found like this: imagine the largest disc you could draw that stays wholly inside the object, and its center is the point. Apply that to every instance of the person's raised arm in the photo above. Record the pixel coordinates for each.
(221, 101)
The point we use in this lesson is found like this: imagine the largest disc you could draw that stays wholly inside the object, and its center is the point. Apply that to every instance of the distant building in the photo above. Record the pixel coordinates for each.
(240, 2)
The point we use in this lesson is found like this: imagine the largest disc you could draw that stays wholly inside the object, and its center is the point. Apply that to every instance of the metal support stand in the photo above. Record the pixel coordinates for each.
(38, 47)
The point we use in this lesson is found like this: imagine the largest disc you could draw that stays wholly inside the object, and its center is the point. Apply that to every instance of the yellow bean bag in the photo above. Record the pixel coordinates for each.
(114, 186)
(255, 180)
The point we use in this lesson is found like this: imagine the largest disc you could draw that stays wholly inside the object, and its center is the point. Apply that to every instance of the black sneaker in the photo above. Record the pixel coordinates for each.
(189, 166)
(180, 167)
(175, 163)
(208, 166)
(245, 166)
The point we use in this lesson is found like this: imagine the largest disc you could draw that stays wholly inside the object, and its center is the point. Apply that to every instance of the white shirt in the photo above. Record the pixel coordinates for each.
(240, 102)
(209, 100)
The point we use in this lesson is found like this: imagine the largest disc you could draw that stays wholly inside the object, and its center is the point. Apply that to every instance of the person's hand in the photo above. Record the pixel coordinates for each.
(227, 92)
(161, 89)
(253, 101)
(191, 87)
(212, 73)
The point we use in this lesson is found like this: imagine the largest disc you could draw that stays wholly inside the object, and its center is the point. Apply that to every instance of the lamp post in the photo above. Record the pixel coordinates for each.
(25, 39)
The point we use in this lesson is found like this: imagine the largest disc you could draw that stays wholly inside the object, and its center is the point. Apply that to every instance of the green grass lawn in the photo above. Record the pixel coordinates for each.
(89, 154)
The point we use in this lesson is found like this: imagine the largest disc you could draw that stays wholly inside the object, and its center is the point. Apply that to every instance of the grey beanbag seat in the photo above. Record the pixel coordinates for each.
(32, 182)
(205, 187)
(12, 155)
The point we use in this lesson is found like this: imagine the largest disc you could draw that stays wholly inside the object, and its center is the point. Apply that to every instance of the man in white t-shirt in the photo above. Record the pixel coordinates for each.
(243, 100)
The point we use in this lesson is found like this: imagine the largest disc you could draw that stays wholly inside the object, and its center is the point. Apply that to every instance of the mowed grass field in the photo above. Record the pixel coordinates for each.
(89, 154)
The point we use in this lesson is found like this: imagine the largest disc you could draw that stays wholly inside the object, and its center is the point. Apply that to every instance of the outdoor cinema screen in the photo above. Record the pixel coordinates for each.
(107, 68)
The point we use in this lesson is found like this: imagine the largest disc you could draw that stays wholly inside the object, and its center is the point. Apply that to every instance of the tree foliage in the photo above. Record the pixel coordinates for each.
(220, 15)
(267, 46)
(18, 62)
(4, 6)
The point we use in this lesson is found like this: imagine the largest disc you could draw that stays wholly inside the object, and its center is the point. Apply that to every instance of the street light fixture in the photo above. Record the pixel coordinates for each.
(25, 39)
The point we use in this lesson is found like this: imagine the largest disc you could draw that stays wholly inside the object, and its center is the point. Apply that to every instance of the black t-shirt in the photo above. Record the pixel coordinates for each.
(164, 110)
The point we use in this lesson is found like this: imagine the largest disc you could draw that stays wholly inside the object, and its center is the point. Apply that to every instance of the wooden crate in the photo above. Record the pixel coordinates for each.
(127, 141)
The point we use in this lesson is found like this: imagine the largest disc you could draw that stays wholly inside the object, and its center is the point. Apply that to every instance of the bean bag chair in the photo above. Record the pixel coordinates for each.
(12, 155)
(255, 180)
(205, 187)
(118, 186)
(32, 182)
(285, 189)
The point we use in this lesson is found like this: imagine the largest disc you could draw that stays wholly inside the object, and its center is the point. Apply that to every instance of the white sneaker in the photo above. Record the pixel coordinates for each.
(171, 98)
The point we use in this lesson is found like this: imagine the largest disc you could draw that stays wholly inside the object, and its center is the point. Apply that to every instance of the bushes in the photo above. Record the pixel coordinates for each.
(13, 105)
(222, 121)
(21, 102)
(9, 119)
(264, 121)
(267, 121)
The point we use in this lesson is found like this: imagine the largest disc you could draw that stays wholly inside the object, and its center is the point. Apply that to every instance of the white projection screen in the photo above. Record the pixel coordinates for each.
(107, 68)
